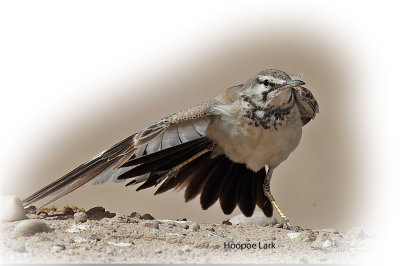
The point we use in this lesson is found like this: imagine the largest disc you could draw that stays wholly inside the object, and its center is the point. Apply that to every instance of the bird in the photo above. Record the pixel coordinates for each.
(222, 149)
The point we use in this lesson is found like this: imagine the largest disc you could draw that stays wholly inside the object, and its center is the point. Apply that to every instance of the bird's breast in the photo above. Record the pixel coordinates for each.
(244, 140)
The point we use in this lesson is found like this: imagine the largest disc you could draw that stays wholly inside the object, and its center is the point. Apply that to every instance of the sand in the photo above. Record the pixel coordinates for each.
(107, 237)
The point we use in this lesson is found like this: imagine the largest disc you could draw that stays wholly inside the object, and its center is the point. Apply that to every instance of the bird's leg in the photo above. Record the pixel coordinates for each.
(284, 223)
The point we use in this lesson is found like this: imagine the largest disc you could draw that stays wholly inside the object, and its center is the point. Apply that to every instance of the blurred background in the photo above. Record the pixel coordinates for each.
(81, 79)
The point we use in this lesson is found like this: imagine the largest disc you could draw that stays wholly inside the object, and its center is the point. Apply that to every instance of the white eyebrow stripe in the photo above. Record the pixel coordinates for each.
(271, 79)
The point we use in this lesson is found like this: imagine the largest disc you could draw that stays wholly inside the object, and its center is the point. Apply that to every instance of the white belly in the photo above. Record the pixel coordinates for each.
(256, 146)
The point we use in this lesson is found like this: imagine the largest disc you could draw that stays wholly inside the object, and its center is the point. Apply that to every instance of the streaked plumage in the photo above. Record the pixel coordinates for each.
(216, 149)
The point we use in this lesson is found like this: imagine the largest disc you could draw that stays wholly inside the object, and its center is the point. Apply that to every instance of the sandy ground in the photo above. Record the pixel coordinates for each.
(113, 238)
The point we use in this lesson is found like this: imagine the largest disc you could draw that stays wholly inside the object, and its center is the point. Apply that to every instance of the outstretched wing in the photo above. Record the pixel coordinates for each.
(170, 131)
(174, 153)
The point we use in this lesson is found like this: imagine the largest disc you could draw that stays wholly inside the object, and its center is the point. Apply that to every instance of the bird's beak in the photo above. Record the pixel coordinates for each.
(291, 83)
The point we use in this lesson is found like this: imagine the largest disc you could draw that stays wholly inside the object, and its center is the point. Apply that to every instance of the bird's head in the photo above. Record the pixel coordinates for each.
(271, 88)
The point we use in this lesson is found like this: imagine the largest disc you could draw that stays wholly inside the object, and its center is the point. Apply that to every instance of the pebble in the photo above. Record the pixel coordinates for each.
(30, 210)
(68, 211)
(227, 222)
(180, 252)
(293, 235)
(42, 214)
(195, 227)
(135, 215)
(80, 217)
(185, 226)
(11, 208)
(57, 248)
(258, 218)
(31, 227)
(186, 248)
(147, 217)
(96, 213)
(158, 251)
(327, 243)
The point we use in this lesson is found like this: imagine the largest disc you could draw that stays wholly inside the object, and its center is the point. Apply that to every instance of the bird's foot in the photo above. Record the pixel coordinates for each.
(285, 224)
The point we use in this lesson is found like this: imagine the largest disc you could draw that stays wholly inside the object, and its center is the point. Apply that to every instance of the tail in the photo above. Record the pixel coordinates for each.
(212, 177)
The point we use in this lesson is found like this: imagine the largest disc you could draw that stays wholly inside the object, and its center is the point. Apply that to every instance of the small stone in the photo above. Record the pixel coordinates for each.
(293, 235)
(227, 222)
(57, 248)
(96, 213)
(68, 211)
(154, 225)
(158, 251)
(147, 217)
(185, 226)
(18, 247)
(42, 214)
(186, 248)
(355, 233)
(135, 215)
(30, 210)
(180, 252)
(195, 227)
(31, 227)
(108, 214)
(258, 218)
(11, 208)
(80, 217)
(327, 243)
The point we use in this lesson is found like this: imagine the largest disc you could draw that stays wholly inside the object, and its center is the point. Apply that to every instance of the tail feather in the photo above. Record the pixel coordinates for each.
(247, 197)
(196, 178)
(210, 192)
(113, 157)
(229, 190)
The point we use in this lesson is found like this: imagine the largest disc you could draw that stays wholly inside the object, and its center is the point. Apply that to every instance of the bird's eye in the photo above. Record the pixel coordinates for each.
(268, 83)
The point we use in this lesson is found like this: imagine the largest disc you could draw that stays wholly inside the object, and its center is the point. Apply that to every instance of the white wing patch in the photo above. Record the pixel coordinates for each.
(201, 126)
(171, 137)
(187, 131)
(154, 145)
